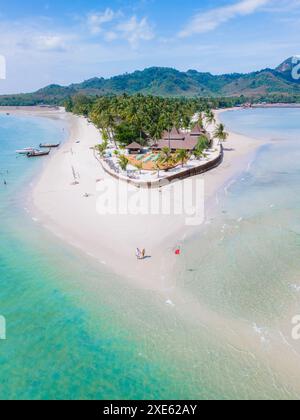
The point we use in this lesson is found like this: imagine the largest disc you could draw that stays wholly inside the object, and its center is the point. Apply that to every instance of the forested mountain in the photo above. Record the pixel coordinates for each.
(169, 82)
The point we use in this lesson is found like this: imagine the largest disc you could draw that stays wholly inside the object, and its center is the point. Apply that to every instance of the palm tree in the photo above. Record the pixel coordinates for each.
(186, 121)
(182, 156)
(136, 117)
(105, 120)
(198, 153)
(166, 153)
(156, 132)
(123, 162)
(101, 148)
(139, 166)
(209, 117)
(166, 158)
(220, 133)
(168, 122)
(200, 120)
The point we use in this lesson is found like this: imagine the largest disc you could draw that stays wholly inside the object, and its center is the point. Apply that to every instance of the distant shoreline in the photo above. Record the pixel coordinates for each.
(30, 108)
(278, 105)
(36, 111)
(53, 108)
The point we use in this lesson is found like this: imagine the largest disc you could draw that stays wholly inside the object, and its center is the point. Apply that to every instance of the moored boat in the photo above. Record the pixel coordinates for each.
(38, 153)
(25, 151)
(49, 145)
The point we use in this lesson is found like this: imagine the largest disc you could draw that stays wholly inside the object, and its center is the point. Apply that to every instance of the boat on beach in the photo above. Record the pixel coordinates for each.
(38, 153)
(25, 151)
(49, 145)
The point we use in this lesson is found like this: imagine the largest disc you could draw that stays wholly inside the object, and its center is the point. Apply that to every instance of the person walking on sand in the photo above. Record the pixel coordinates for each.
(143, 254)
(138, 254)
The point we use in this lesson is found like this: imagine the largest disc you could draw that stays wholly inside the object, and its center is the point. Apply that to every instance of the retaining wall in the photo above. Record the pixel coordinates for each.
(189, 172)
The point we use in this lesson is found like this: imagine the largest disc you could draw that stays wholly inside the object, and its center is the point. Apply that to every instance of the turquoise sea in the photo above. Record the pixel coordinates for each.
(75, 331)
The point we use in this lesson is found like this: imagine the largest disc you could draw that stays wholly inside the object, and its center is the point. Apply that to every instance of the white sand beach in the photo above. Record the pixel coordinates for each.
(65, 210)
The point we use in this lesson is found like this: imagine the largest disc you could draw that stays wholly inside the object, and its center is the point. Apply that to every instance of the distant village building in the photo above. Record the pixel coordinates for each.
(177, 140)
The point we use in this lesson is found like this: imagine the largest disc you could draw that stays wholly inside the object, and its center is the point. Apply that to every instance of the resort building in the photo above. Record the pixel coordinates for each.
(178, 140)
(134, 148)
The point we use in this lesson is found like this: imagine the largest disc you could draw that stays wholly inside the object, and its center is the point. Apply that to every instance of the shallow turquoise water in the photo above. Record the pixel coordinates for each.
(254, 234)
(76, 331)
(275, 124)
(62, 341)
(256, 227)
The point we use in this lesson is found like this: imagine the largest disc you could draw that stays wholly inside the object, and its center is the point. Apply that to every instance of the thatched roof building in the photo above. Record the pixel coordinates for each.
(176, 140)
(134, 148)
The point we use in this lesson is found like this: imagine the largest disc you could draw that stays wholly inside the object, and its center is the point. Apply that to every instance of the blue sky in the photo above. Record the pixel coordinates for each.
(69, 41)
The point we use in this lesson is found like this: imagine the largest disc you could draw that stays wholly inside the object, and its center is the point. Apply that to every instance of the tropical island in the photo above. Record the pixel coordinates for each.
(145, 138)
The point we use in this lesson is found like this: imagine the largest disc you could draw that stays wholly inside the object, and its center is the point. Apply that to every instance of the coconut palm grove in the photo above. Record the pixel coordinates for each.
(142, 121)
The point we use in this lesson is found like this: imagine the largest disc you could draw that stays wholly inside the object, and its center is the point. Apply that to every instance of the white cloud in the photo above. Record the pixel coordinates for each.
(283, 6)
(110, 36)
(135, 31)
(113, 25)
(208, 21)
(97, 20)
(25, 36)
(49, 43)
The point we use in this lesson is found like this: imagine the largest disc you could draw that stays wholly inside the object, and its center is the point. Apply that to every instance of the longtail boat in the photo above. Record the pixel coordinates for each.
(25, 151)
(38, 153)
(49, 145)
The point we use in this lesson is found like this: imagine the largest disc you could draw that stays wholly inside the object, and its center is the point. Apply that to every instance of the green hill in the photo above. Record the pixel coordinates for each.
(173, 83)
